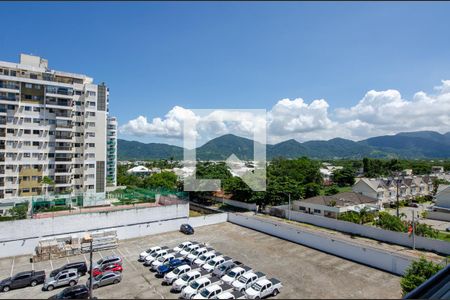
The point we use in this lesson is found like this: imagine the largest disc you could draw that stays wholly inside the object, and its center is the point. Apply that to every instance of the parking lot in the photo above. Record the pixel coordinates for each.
(304, 272)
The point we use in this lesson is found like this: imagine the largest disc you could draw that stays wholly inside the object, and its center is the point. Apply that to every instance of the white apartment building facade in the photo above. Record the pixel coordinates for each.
(52, 124)
(111, 162)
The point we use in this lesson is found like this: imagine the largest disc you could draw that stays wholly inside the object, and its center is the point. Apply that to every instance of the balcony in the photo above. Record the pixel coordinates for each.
(63, 148)
(63, 136)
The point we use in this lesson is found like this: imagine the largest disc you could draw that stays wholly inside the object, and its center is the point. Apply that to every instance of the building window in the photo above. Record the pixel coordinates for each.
(317, 211)
(302, 208)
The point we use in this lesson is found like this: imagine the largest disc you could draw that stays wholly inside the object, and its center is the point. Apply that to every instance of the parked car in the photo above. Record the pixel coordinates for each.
(114, 267)
(170, 277)
(162, 260)
(182, 246)
(80, 266)
(186, 229)
(263, 288)
(246, 280)
(197, 285)
(168, 267)
(108, 260)
(105, 279)
(204, 258)
(186, 279)
(231, 295)
(414, 205)
(190, 249)
(63, 278)
(224, 267)
(212, 291)
(149, 259)
(73, 292)
(22, 279)
(215, 262)
(195, 254)
(149, 251)
(234, 273)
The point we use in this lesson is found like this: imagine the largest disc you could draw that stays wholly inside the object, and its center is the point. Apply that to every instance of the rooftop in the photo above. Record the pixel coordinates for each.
(341, 199)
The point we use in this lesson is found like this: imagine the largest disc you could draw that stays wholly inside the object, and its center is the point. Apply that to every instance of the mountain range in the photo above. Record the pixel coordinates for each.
(410, 145)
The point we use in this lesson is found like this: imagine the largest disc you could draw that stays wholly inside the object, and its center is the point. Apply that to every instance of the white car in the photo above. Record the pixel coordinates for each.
(185, 279)
(231, 295)
(212, 291)
(170, 277)
(149, 251)
(162, 260)
(149, 259)
(197, 285)
(215, 262)
(263, 288)
(182, 246)
(196, 253)
(204, 258)
(246, 280)
(234, 273)
(189, 249)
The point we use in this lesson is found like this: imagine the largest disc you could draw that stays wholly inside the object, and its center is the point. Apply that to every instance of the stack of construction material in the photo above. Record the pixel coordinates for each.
(54, 248)
(101, 240)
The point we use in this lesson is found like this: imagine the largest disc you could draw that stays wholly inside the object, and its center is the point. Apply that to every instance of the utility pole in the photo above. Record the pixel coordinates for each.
(397, 179)
(289, 212)
(91, 272)
(414, 230)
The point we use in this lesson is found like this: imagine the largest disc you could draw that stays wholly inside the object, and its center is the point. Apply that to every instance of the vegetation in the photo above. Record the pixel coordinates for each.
(417, 273)
(394, 223)
(362, 217)
(344, 177)
(18, 212)
(385, 167)
(166, 180)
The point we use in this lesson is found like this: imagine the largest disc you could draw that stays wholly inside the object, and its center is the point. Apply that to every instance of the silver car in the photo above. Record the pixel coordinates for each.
(65, 277)
(105, 279)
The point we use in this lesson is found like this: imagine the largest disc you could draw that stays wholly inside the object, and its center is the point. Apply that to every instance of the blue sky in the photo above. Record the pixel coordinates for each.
(155, 56)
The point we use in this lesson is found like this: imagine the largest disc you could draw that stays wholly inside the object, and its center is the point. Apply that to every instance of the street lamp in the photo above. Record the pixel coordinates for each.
(289, 208)
(89, 238)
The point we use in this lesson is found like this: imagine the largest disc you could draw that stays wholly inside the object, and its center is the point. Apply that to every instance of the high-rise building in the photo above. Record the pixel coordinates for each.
(52, 124)
(111, 154)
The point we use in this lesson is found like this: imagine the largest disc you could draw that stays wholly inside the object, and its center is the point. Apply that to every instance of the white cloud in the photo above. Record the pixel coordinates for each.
(377, 113)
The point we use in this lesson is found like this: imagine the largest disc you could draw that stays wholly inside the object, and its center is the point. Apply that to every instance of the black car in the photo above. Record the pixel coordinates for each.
(22, 279)
(80, 266)
(73, 292)
(186, 229)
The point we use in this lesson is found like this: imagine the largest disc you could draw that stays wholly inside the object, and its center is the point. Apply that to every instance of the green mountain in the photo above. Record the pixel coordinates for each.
(421, 144)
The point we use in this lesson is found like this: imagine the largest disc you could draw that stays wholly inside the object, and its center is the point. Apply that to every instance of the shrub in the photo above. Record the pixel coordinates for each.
(417, 273)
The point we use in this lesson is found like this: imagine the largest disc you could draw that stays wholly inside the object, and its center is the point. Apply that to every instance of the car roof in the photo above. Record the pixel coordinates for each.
(263, 281)
(212, 287)
(202, 279)
(76, 263)
(68, 270)
(111, 257)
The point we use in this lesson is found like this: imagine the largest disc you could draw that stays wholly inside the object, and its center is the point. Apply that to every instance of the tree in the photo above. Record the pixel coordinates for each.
(46, 182)
(165, 180)
(311, 190)
(417, 273)
(333, 190)
(344, 176)
(390, 222)
(19, 211)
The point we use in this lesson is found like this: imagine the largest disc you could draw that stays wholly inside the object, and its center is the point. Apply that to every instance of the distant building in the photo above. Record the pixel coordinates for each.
(139, 170)
(333, 206)
(385, 189)
(437, 170)
(111, 155)
(407, 172)
(327, 171)
(441, 208)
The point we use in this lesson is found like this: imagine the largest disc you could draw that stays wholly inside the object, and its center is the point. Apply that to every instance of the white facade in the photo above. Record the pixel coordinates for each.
(443, 198)
(52, 124)
(111, 163)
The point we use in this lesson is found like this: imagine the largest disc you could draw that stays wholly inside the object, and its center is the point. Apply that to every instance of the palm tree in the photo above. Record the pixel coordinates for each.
(47, 181)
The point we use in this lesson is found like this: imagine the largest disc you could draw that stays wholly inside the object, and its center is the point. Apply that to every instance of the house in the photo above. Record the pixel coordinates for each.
(407, 172)
(437, 170)
(139, 170)
(441, 209)
(333, 206)
(327, 171)
(386, 189)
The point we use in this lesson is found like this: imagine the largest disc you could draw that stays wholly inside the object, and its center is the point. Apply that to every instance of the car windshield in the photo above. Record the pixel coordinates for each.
(203, 257)
(204, 293)
(185, 277)
(211, 263)
(242, 279)
(222, 267)
(232, 274)
(180, 246)
(176, 271)
(98, 277)
(161, 259)
(194, 285)
(196, 252)
(256, 287)
(100, 262)
(155, 254)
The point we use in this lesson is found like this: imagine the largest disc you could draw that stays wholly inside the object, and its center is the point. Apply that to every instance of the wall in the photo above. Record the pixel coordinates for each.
(378, 258)
(23, 229)
(249, 206)
(27, 246)
(398, 238)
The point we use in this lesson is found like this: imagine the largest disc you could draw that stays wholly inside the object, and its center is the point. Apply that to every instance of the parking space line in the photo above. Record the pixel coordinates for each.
(85, 259)
(51, 264)
(126, 259)
(68, 260)
(12, 266)
(126, 249)
(99, 252)
(32, 265)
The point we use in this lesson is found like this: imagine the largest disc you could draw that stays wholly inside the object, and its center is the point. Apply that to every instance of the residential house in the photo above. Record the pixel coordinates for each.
(327, 171)
(139, 170)
(441, 209)
(333, 206)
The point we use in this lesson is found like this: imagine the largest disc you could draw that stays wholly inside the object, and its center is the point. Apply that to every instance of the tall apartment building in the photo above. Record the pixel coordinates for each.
(52, 124)
(111, 145)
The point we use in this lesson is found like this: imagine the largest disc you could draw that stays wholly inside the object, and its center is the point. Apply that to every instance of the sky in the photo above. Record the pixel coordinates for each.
(320, 69)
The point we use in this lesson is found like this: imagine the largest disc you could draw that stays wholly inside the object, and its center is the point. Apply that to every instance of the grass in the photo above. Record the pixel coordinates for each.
(193, 213)
(444, 236)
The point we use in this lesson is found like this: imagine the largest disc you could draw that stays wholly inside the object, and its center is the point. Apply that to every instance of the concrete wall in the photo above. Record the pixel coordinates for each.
(27, 246)
(249, 206)
(30, 228)
(393, 237)
(378, 258)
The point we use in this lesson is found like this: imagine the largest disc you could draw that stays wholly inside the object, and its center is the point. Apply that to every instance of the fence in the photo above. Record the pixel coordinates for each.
(378, 258)
(393, 237)
(248, 206)
(437, 215)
